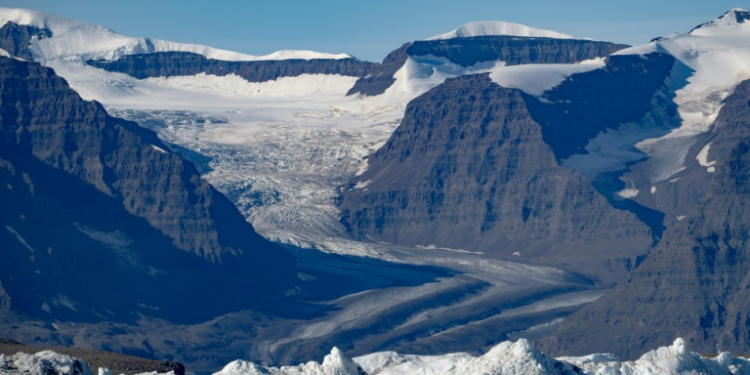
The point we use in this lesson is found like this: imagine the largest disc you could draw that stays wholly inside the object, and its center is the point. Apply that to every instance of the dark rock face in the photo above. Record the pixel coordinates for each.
(94, 210)
(14, 39)
(585, 105)
(695, 283)
(467, 52)
(513, 50)
(168, 64)
(382, 77)
(42, 116)
(602, 99)
(468, 169)
(4, 301)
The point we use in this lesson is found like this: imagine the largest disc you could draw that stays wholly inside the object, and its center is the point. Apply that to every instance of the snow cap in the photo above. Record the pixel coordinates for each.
(733, 18)
(483, 28)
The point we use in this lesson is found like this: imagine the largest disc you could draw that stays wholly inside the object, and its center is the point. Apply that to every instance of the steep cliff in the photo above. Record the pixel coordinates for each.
(472, 51)
(15, 39)
(97, 217)
(694, 284)
(468, 169)
(168, 64)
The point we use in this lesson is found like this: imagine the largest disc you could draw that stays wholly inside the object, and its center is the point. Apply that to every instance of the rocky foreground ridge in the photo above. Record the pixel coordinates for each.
(507, 358)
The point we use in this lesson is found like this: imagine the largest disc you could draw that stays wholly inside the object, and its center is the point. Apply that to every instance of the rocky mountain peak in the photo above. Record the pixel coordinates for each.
(734, 17)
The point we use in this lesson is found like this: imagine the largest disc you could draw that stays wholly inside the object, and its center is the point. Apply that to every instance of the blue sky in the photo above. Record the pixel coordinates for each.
(371, 29)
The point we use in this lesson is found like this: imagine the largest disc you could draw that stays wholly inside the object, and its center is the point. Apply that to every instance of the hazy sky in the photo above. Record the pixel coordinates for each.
(371, 29)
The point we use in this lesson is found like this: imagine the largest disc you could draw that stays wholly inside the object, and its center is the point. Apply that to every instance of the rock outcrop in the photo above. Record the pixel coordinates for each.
(15, 39)
(694, 284)
(467, 52)
(513, 50)
(468, 169)
(99, 221)
(169, 64)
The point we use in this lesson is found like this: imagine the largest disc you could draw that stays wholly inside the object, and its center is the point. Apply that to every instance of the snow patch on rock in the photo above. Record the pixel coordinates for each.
(702, 158)
(535, 79)
(718, 54)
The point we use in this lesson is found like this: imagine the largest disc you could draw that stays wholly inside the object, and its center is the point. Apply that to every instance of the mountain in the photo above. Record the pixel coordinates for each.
(101, 222)
(475, 49)
(526, 168)
(67, 38)
(637, 127)
(694, 283)
(169, 64)
(472, 167)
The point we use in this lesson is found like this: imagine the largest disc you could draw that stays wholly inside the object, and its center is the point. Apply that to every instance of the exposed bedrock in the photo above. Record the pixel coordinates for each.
(694, 284)
(468, 169)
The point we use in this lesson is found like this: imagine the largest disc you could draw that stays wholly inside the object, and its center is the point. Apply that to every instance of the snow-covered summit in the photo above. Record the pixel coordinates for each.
(715, 57)
(71, 38)
(482, 28)
(732, 18)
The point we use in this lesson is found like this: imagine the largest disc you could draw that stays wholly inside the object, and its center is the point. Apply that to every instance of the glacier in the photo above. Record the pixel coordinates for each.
(279, 149)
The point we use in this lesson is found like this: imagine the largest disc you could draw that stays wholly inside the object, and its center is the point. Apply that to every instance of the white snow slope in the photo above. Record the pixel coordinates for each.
(509, 358)
(718, 53)
(482, 28)
(88, 41)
